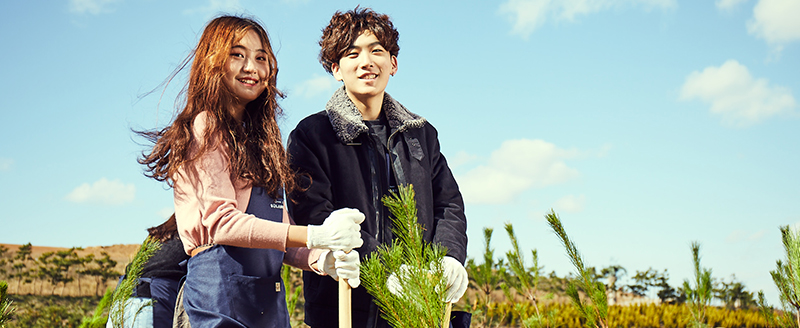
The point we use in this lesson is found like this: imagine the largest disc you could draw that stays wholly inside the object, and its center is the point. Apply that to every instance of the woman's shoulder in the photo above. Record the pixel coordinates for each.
(200, 124)
(200, 129)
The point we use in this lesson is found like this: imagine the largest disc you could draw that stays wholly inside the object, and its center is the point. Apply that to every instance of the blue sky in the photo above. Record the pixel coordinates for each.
(645, 124)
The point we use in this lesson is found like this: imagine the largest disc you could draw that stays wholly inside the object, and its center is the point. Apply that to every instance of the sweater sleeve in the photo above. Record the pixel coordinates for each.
(301, 257)
(208, 204)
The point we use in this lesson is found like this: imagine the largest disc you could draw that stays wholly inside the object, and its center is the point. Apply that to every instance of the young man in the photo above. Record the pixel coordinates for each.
(361, 147)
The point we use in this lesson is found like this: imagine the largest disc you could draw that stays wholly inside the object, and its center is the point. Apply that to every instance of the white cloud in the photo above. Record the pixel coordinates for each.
(736, 236)
(94, 7)
(103, 191)
(5, 164)
(315, 86)
(460, 158)
(758, 235)
(728, 5)
(216, 6)
(517, 166)
(165, 212)
(776, 21)
(528, 15)
(735, 95)
(570, 204)
(744, 235)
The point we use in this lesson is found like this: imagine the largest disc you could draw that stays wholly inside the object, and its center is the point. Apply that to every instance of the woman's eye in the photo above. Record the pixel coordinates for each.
(237, 55)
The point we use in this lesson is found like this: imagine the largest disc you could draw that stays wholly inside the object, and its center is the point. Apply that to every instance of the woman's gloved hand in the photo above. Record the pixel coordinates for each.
(340, 231)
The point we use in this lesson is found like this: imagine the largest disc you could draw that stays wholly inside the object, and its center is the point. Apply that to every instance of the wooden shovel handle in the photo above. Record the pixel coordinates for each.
(345, 301)
(447, 310)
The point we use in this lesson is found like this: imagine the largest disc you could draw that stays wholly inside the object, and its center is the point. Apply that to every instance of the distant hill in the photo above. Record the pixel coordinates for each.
(82, 285)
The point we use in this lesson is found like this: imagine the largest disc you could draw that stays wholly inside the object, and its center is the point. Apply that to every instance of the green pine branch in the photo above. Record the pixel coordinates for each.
(595, 312)
(420, 304)
(100, 316)
(525, 281)
(699, 296)
(6, 308)
(787, 276)
(125, 288)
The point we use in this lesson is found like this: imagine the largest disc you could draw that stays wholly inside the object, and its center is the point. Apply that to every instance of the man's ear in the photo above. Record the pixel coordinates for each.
(394, 65)
(337, 74)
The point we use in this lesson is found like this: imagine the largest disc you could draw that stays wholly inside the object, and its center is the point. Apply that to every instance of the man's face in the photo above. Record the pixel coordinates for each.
(365, 68)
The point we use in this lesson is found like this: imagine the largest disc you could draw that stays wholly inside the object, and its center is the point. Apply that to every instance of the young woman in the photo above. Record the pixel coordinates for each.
(224, 158)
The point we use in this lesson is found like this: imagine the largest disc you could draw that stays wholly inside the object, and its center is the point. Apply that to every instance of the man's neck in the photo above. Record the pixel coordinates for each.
(370, 108)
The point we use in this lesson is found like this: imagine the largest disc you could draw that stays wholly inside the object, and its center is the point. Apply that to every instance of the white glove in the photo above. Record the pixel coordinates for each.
(339, 264)
(456, 277)
(393, 282)
(340, 231)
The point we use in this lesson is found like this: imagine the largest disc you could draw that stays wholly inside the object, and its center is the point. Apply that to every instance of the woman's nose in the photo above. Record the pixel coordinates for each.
(249, 66)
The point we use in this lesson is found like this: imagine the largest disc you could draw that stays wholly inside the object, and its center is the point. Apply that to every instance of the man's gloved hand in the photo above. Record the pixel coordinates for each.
(340, 231)
(341, 265)
(456, 277)
(393, 282)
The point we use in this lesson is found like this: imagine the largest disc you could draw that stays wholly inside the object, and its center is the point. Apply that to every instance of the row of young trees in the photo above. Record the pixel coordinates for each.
(54, 269)
(530, 298)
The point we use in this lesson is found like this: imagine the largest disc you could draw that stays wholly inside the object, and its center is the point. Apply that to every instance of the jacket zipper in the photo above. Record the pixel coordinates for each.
(376, 203)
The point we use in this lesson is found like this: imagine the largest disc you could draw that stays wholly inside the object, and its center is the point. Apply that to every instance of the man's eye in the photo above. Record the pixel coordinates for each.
(377, 50)
(352, 55)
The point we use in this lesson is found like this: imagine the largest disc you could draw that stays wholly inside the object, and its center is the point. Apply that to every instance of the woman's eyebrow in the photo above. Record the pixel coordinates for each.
(239, 46)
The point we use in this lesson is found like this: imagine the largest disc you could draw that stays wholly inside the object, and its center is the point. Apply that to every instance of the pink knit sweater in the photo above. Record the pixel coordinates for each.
(209, 207)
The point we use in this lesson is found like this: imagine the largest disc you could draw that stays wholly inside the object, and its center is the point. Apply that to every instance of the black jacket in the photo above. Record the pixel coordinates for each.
(343, 165)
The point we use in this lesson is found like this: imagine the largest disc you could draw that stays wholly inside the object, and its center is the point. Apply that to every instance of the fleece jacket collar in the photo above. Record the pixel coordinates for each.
(348, 123)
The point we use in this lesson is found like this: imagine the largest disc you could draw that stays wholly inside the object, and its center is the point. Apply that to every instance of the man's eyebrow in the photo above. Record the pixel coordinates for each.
(351, 47)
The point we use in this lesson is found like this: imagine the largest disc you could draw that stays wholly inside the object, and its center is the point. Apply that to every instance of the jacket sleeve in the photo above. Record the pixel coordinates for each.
(314, 202)
(448, 205)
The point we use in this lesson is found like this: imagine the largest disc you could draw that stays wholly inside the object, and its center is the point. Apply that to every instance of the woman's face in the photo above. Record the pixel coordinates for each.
(246, 70)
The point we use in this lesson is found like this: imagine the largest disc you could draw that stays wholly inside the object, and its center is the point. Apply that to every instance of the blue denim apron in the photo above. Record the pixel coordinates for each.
(229, 286)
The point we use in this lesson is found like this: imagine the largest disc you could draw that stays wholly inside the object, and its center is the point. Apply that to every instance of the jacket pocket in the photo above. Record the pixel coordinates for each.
(415, 148)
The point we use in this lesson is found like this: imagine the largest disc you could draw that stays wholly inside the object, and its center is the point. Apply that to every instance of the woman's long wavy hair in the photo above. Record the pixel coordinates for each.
(254, 145)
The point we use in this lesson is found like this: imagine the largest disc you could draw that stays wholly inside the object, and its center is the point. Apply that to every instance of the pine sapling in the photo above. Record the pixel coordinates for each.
(293, 292)
(787, 275)
(100, 316)
(486, 278)
(699, 297)
(596, 312)
(6, 308)
(525, 281)
(416, 265)
(125, 288)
